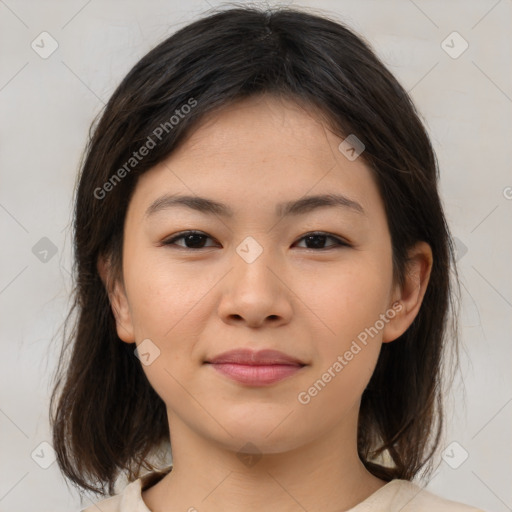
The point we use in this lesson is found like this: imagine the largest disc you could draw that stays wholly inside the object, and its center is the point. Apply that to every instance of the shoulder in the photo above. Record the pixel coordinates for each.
(130, 500)
(413, 498)
(112, 504)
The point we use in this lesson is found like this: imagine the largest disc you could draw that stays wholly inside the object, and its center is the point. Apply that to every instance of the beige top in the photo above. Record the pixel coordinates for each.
(395, 495)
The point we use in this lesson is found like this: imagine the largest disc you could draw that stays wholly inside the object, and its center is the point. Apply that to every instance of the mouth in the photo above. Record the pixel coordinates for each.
(255, 358)
(256, 368)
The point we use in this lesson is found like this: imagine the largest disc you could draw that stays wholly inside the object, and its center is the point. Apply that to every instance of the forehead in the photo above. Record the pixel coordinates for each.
(256, 153)
(271, 126)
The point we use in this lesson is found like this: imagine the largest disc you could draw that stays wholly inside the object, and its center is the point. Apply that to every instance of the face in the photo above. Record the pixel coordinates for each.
(313, 281)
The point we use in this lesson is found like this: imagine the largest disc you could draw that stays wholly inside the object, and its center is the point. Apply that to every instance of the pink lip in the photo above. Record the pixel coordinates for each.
(256, 368)
(250, 357)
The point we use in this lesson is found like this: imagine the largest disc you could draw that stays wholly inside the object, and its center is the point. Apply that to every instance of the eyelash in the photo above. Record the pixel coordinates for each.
(339, 241)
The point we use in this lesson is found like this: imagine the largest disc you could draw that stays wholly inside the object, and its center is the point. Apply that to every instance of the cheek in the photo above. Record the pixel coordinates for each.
(347, 352)
(350, 299)
(165, 303)
(163, 297)
(349, 323)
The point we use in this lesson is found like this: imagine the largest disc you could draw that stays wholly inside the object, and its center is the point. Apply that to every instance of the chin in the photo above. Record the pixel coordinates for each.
(263, 435)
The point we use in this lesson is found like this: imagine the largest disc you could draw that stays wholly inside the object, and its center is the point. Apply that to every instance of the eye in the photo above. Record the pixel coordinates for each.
(192, 240)
(317, 240)
(196, 240)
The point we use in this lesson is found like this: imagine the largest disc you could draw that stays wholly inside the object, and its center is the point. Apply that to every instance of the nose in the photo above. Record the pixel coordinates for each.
(255, 293)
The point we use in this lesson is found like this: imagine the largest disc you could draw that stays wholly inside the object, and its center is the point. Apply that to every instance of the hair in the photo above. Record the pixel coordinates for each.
(106, 419)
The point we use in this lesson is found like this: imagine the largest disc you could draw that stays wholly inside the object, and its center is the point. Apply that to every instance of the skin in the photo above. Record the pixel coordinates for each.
(306, 302)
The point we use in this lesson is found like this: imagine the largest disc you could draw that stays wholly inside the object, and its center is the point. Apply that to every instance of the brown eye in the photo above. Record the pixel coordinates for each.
(192, 240)
(196, 240)
(317, 241)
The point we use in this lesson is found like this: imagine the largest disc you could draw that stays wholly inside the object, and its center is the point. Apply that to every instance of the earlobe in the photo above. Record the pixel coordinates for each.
(118, 301)
(410, 295)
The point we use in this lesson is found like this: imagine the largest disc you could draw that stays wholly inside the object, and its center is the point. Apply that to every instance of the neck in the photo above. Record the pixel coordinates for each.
(323, 475)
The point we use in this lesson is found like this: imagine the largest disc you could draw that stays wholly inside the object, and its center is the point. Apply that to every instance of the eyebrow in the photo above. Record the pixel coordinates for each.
(297, 207)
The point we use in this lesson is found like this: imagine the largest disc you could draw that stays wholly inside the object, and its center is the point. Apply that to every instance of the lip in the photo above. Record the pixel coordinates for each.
(256, 368)
(255, 358)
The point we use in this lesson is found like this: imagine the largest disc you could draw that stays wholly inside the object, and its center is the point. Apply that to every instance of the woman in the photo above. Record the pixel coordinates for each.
(263, 279)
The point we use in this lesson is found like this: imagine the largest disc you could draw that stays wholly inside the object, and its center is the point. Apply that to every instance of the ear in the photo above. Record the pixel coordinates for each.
(408, 299)
(118, 301)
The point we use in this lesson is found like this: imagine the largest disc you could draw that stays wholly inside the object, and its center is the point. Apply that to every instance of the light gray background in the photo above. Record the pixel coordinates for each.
(48, 104)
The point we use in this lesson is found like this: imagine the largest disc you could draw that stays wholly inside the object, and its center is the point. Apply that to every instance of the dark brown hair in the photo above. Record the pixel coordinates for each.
(105, 416)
